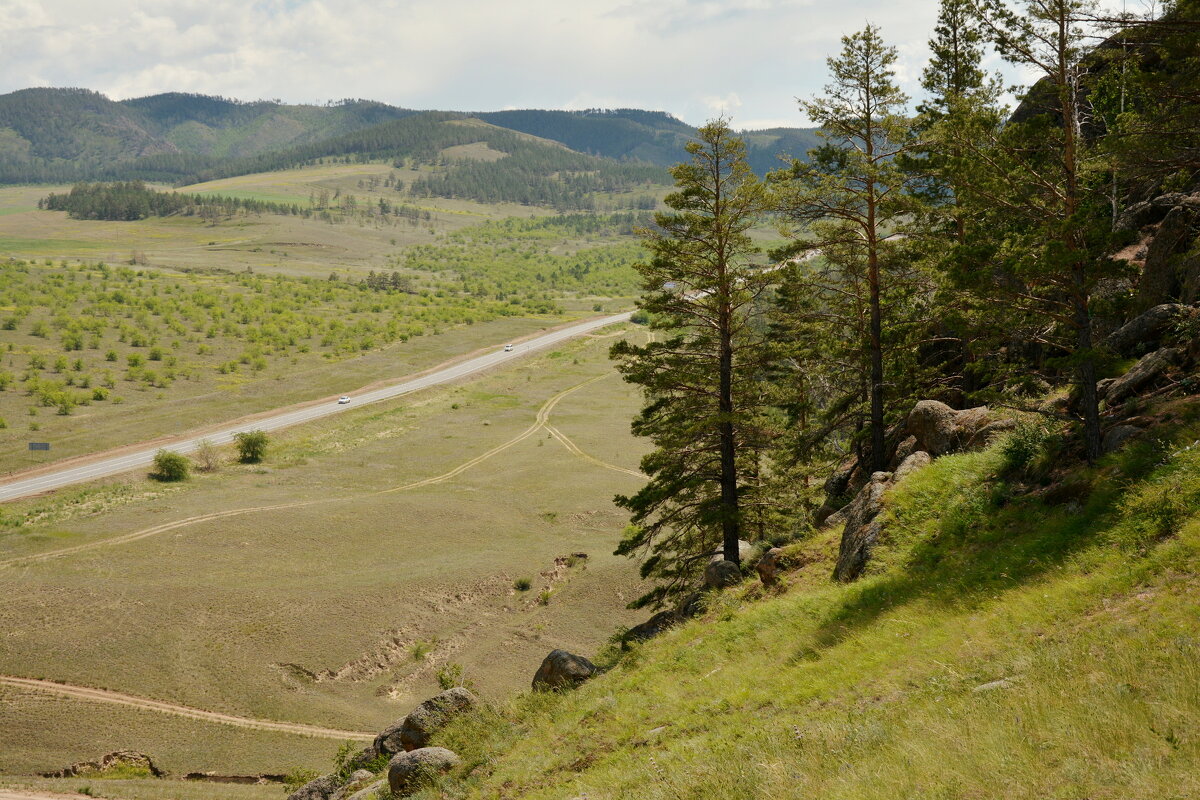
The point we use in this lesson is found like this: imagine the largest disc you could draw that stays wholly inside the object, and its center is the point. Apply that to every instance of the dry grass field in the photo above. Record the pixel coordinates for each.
(338, 602)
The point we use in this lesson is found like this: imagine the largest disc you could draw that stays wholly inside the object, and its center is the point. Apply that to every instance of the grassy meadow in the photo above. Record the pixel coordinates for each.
(107, 327)
(338, 602)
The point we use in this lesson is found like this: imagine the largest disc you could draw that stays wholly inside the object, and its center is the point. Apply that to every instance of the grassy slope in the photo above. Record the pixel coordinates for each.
(880, 689)
(208, 615)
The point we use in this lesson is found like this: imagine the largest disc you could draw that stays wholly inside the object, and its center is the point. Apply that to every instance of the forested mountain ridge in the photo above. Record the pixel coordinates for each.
(57, 135)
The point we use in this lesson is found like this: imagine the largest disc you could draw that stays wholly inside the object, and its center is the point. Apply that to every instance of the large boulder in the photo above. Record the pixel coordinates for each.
(1171, 270)
(562, 670)
(862, 530)
(407, 770)
(1148, 368)
(432, 715)
(1145, 332)
(722, 575)
(358, 780)
(322, 788)
(939, 429)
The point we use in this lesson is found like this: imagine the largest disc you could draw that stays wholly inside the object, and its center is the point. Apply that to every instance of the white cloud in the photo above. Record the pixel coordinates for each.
(695, 58)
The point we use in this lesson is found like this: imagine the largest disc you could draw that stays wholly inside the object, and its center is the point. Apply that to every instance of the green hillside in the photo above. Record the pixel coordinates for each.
(1006, 644)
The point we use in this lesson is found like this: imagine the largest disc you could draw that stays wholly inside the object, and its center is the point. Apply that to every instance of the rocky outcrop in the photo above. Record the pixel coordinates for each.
(368, 754)
(722, 575)
(322, 788)
(358, 781)
(1146, 331)
(862, 528)
(127, 759)
(407, 770)
(432, 715)
(911, 463)
(562, 670)
(370, 791)
(1118, 435)
(1145, 371)
(1172, 268)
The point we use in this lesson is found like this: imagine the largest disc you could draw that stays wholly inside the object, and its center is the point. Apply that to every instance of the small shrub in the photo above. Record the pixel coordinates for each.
(451, 675)
(544, 598)
(523, 584)
(251, 445)
(419, 650)
(1023, 444)
(207, 457)
(170, 466)
(298, 777)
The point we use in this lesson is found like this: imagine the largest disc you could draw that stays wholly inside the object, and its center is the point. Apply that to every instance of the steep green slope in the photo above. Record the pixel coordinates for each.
(1012, 641)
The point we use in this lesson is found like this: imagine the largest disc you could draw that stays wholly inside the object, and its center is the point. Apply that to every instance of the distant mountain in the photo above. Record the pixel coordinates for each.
(655, 137)
(63, 135)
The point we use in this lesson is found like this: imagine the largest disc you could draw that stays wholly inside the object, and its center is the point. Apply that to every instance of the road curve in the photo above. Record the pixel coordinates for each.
(142, 457)
(146, 704)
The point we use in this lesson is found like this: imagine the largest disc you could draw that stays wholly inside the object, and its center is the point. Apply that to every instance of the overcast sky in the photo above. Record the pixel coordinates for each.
(749, 59)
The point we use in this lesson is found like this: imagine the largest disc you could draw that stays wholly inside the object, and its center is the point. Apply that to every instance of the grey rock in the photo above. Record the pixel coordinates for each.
(745, 549)
(861, 531)
(407, 770)
(1168, 267)
(991, 686)
(768, 566)
(432, 715)
(722, 574)
(1145, 332)
(369, 792)
(562, 670)
(1118, 435)
(1147, 369)
(321, 788)
(652, 627)
(357, 781)
(911, 464)
(388, 741)
(906, 448)
(836, 519)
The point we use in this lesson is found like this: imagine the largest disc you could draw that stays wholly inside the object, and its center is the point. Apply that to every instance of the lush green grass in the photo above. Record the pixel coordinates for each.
(1014, 640)
(312, 611)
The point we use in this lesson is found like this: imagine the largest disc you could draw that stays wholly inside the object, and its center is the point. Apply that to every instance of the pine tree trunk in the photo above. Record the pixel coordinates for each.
(729, 483)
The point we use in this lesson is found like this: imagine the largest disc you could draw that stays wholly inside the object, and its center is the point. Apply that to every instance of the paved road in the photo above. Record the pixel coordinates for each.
(142, 457)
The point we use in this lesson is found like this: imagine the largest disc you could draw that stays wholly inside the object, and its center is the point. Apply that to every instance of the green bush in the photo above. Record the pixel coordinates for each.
(251, 445)
(170, 466)
(522, 584)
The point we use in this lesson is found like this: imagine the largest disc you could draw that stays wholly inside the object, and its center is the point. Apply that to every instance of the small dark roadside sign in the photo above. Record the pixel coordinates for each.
(39, 445)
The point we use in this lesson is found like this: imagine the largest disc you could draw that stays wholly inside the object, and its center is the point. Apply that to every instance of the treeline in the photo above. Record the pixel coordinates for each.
(132, 200)
(947, 252)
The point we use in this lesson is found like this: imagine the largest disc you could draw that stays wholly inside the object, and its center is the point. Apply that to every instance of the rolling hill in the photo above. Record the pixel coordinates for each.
(60, 135)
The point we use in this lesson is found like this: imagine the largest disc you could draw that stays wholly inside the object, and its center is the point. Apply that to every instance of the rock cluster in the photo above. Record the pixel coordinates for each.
(406, 741)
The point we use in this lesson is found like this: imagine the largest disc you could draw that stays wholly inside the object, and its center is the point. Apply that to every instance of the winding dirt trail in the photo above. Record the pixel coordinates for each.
(542, 421)
(30, 794)
(117, 698)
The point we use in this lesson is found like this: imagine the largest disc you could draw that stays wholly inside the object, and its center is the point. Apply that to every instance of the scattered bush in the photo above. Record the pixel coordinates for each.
(170, 466)
(298, 777)
(251, 445)
(522, 584)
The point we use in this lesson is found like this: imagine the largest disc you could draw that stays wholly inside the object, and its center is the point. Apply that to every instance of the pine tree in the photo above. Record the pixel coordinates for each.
(703, 379)
(849, 202)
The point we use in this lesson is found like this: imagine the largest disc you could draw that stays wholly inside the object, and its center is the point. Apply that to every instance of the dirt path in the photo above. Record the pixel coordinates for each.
(29, 794)
(542, 421)
(117, 698)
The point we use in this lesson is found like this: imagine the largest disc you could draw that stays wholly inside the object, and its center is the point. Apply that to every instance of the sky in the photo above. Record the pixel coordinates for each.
(746, 59)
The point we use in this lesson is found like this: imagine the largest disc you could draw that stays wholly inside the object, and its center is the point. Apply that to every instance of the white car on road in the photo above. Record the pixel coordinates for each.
(343, 400)
(508, 348)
